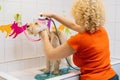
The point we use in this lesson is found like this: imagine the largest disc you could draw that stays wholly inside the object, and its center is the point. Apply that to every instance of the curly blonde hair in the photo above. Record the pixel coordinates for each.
(89, 14)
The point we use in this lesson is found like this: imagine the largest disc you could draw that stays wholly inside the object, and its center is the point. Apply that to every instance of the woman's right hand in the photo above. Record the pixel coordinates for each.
(49, 15)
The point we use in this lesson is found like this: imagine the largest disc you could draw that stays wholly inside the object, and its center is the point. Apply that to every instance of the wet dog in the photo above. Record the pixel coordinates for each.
(34, 29)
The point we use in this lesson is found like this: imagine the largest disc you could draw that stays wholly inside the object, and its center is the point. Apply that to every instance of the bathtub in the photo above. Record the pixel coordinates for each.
(29, 74)
(5, 76)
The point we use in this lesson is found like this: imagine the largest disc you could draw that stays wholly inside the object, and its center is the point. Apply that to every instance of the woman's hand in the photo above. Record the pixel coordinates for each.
(44, 34)
(49, 15)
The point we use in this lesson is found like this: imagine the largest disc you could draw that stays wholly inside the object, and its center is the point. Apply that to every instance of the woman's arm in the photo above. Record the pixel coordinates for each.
(68, 23)
(61, 51)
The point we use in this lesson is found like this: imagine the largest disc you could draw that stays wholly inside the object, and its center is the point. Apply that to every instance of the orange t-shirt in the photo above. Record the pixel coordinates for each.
(92, 55)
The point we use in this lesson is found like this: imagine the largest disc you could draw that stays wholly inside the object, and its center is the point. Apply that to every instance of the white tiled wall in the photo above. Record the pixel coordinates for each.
(2, 50)
(20, 53)
(23, 64)
(113, 26)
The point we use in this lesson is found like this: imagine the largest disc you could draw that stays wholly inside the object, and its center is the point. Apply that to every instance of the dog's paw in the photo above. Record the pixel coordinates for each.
(56, 72)
(45, 70)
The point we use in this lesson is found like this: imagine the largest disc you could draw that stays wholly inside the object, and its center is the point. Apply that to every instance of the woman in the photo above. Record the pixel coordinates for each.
(90, 46)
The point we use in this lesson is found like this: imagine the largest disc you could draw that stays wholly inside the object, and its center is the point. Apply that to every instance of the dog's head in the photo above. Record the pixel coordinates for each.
(35, 27)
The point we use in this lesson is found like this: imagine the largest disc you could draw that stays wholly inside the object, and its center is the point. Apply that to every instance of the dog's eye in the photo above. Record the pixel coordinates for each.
(36, 23)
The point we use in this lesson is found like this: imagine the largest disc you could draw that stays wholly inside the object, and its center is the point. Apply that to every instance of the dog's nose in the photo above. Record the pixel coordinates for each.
(28, 26)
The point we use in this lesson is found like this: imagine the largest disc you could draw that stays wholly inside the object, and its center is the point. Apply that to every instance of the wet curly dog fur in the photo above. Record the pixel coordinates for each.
(50, 64)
